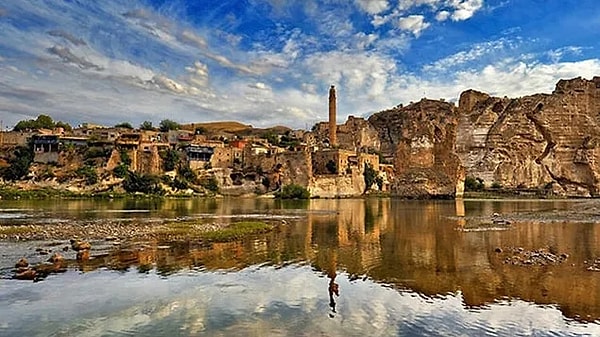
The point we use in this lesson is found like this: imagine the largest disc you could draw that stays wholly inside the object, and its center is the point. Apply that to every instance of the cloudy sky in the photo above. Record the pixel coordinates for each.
(271, 62)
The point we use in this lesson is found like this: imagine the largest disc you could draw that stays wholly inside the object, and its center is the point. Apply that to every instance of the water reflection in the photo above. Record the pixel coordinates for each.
(413, 247)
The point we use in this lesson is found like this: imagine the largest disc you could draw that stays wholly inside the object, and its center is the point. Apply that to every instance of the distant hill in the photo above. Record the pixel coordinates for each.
(235, 128)
(216, 127)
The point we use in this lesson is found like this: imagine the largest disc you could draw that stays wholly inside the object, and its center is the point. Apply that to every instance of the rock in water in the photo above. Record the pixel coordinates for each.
(56, 258)
(80, 245)
(22, 263)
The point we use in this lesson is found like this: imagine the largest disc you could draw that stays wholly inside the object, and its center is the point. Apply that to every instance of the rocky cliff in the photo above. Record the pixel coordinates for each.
(419, 139)
(539, 141)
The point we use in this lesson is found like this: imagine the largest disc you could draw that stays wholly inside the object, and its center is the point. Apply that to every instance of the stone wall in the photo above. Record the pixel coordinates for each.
(337, 186)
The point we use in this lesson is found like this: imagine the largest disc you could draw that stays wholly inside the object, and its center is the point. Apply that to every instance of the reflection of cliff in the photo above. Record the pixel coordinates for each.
(413, 245)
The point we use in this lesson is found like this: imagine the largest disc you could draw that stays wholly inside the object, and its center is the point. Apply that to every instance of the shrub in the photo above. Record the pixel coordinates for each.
(186, 173)
(211, 184)
(125, 159)
(121, 170)
(179, 184)
(370, 175)
(167, 124)
(293, 191)
(144, 183)
(170, 159)
(496, 185)
(89, 173)
(473, 184)
(94, 152)
(19, 164)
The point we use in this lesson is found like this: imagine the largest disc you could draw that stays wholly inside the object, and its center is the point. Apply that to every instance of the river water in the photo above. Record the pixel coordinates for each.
(352, 267)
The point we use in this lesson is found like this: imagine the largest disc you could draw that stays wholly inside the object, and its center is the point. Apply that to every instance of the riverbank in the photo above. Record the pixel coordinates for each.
(117, 232)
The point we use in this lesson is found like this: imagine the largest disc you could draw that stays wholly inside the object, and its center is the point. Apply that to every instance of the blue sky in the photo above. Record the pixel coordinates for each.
(271, 62)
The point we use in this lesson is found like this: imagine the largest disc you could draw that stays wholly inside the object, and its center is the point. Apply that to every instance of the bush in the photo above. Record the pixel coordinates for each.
(125, 159)
(121, 170)
(179, 184)
(19, 164)
(89, 173)
(293, 191)
(211, 184)
(95, 152)
(186, 173)
(370, 175)
(496, 185)
(167, 124)
(144, 183)
(170, 159)
(473, 184)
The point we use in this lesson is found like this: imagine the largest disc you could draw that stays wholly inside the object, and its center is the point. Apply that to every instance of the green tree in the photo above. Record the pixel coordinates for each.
(201, 130)
(65, 126)
(41, 122)
(211, 184)
(144, 183)
(170, 159)
(125, 125)
(19, 163)
(186, 173)
(473, 184)
(121, 170)
(370, 175)
(147, 125)
(89, 173)
(167, 125)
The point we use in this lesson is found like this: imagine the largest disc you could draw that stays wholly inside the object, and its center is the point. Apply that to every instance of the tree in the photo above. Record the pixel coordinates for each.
(65, 126)
(167, 125)
(44, 122)
(370, 175)
(201, 130)
(125, 125)
(41, 122)
(19, 164)
(147, 125)
(144, 183)
(170, 159)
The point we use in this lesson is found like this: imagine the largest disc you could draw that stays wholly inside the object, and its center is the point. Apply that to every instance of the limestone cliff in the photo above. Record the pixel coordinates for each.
(537, 141)
(419, 139)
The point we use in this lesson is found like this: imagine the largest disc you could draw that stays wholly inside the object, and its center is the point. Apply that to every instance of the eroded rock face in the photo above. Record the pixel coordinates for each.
(419, 139)
(539, 141)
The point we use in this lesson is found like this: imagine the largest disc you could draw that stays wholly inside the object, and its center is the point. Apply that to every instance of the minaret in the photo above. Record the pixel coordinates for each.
(332, 117)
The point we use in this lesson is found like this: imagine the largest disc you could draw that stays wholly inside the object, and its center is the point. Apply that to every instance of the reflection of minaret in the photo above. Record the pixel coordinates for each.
(332, 116)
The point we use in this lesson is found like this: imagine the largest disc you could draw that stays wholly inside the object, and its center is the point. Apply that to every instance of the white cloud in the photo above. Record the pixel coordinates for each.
(259, 86)
(557, 54)
(413, 23)
(373, 6)
(442, 15)
(408, 4)
(475, 53)
(465, 9)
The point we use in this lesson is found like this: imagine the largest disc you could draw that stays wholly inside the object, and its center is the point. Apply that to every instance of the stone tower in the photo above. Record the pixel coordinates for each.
(332, 117)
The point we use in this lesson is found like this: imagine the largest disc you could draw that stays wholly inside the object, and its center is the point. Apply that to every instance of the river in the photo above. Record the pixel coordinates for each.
(350, 267)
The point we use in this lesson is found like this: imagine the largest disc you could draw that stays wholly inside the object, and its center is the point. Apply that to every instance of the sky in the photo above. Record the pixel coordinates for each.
(271, 62)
